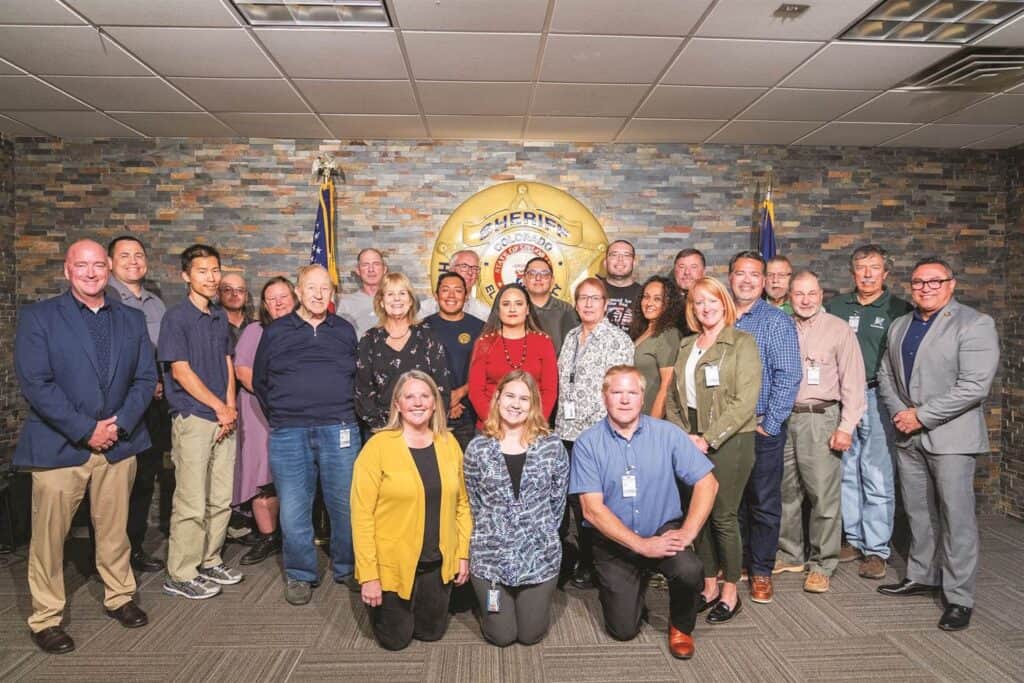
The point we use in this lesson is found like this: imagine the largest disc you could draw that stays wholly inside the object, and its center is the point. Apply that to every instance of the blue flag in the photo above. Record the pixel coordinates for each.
(767, 236)
(322, 250)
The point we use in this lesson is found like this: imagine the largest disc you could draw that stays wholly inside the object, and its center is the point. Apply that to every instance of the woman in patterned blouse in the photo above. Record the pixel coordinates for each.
(512, 340)
(587, 352)
(397, 344)
(517, 474)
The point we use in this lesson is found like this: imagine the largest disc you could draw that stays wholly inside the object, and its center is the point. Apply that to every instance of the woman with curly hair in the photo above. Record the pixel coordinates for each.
(657, 315)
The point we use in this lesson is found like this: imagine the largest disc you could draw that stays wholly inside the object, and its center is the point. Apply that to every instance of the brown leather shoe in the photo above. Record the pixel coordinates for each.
(873, 567)
(680, 644)
(761, 589)
(848, 554)
(816, 582)
(53, 640)
(129, 615)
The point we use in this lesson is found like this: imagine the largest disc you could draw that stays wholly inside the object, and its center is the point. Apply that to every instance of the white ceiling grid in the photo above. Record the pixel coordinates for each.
(691, 71)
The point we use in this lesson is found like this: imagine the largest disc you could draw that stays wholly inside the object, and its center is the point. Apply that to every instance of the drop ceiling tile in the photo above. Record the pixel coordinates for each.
(36, 12)
(143, 13)
(606, 59)
(574, 128)
(25, 92)
(668, 130)
(713, 61)
(945, 135)
(523, 16)
(586, 99)
(82, 52)
(75, 124)
(275, 125)
(223, 52)
(472, 56)
(694, 102)
(856, 134)
(8, 69)
(859, 66)
(476, 127)
(455, 97)
(784, 104)
(762, 132)
(242, 94)
(376, 127)
(335, 53)
(359, 97)
(176, 124)
(1008, 35)
(12, 128)
(999, 109)
(652, 18)
(913, 106)
(1004, 140)
(124, 93)
(825, 19)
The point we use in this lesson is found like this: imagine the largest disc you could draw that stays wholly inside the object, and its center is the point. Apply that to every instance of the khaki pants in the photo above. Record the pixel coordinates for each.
(56, 494)
(811, 469)
(205, 471)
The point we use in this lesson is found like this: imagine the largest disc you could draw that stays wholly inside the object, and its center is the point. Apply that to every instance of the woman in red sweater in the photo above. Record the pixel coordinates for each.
(512, 340)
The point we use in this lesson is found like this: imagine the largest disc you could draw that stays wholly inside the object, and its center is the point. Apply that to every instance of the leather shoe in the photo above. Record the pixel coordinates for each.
(955, 618)
(721, 613)
(583, 577)
(761, 589)
(53, 640)
(906, 587)
(680, 644)
(142, 562)
(705, 604)
(269, 544)
(129, 615)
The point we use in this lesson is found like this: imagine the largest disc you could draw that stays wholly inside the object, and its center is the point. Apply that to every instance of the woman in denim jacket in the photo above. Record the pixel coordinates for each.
(516, 474)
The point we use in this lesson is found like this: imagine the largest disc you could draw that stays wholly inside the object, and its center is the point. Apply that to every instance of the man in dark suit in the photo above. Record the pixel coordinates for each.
(935, 376)
(86, 367)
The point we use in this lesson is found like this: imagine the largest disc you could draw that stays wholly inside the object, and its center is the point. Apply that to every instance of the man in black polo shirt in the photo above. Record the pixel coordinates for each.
(303, 375)
(457, 331)
(622, 288)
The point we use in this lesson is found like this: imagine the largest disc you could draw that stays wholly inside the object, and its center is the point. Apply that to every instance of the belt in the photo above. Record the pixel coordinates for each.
(816, 408)
(873, 384)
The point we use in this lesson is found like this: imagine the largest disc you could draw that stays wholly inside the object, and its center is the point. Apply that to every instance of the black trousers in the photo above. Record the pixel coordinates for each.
(149, 466)
(424, 616)
(583, 555)
(622, 578)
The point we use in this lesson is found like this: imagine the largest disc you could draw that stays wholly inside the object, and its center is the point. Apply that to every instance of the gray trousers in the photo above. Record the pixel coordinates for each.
(812, 470)
(938, 495)
(524, 611)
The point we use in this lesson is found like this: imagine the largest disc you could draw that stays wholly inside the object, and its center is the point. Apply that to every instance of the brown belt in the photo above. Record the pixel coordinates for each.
(816, 408)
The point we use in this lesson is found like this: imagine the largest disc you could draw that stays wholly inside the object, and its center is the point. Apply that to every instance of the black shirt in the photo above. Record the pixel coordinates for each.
(514, 462)
(620, 304)
(426, 463)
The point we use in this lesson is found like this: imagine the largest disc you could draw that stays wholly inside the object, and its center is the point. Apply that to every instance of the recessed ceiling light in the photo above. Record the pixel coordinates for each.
(933, 21)
(357, 13)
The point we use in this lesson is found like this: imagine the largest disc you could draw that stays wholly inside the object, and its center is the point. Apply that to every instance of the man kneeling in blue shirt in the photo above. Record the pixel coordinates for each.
(625, 469)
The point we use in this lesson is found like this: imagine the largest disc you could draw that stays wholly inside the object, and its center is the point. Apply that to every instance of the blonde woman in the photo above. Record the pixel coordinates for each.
(517, 473)
(410, 517)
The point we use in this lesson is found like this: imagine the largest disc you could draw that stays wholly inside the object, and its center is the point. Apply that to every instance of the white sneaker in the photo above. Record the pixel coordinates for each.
(193, 589)
(222, 574)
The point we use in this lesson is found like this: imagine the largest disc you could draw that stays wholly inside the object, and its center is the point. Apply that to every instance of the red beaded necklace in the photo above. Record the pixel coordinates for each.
(508, 356)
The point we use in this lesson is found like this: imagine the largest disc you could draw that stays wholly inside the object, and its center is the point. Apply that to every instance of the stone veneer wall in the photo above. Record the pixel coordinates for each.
(1013, 343)
(10, 402)
(254, 199)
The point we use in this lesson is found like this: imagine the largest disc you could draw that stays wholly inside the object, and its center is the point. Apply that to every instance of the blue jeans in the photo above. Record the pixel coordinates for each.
(868, 485)
(296, 454)
(761, 507)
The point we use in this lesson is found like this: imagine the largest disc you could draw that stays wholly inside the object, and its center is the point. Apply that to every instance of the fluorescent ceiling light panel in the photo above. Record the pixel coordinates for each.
(933, 21)
(356, 13)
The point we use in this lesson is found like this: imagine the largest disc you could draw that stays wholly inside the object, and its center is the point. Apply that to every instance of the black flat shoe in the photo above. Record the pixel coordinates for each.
(721, 613)
(53, 641)
(703, 604)
(268, 545)
(583, 577)
(129, 615)
(144, 563)
(955, 618)
(906, 587)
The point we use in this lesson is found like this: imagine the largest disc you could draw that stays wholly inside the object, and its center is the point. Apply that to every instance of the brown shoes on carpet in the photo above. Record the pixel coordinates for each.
(848, 554)
(761, 589)
(680, 644)
(816, 582)
(872, 567)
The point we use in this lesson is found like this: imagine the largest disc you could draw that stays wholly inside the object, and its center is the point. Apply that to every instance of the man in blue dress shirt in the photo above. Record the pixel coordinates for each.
(624, 469)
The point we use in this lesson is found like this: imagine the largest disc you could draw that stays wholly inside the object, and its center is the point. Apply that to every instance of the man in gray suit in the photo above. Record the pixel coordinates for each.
(934, 379)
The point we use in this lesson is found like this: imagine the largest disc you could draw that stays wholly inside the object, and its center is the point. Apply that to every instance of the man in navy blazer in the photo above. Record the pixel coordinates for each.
(87, 370)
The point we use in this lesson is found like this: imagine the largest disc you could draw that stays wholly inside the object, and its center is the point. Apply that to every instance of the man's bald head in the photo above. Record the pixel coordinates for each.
(805, 294)
(87, 268)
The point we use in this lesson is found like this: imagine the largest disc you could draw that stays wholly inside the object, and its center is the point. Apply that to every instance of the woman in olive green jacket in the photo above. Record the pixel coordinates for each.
(713, 397)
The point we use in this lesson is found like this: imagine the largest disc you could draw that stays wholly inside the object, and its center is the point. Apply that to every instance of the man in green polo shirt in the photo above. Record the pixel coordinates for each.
(868, 486)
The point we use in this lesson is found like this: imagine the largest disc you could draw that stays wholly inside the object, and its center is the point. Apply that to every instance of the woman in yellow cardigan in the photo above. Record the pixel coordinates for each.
(410, 517)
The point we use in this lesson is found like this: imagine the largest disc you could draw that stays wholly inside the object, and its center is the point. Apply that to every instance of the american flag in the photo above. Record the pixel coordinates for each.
(322, 250)
(767, 236)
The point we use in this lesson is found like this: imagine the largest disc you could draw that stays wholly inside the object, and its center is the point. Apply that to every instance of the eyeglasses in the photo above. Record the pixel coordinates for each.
(929, 284)
(465, 267)
(539, 274)
(589, 298)
(779, 276)
(233, 290)
(625, 255)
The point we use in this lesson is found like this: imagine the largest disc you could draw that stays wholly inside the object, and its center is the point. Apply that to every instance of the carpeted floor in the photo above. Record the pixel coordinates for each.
(250, 634)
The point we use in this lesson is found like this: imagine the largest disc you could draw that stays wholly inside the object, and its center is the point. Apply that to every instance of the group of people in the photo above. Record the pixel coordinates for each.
(671, 430)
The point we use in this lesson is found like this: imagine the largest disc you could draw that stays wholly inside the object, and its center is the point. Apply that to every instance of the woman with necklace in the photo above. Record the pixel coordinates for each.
(657, 312)
(713, 397)
(397, 344)
(517, 473)
(410, 517)
(512, 340)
